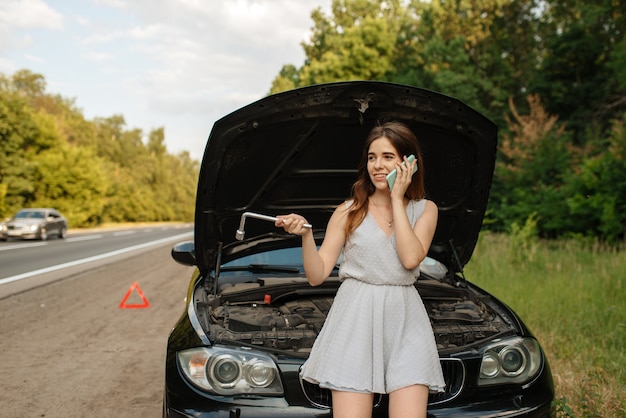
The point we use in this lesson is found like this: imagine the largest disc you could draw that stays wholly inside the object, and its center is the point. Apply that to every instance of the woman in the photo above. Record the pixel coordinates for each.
(377, 337)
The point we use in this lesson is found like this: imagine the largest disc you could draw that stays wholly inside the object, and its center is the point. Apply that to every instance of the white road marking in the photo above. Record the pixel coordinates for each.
(121, 233)
(85, 238)
(13, 247)
(94, 258)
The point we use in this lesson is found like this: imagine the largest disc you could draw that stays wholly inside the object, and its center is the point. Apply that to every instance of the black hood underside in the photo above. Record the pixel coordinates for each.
(298, 151)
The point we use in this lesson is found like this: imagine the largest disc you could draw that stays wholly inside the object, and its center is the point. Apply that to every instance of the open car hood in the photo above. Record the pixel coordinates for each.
(298, 151)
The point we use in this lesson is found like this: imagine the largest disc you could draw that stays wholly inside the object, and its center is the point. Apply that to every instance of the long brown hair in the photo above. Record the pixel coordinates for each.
(405, 143)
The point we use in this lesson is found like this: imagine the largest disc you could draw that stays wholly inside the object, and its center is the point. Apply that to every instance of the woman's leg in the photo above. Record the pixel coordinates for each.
(352, 404)
(411, 401)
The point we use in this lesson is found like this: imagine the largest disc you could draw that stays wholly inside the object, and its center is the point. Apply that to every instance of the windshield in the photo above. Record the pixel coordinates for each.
(30, 214)
(281, 257)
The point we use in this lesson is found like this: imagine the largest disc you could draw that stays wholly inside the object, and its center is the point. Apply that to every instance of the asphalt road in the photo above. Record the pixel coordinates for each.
(67, 349)
(24, 264)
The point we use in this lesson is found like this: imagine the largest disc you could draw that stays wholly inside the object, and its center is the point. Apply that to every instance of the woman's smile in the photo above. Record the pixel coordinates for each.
(382, 157)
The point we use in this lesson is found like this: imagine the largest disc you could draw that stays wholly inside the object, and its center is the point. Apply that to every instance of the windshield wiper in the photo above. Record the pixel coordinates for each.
(261, 268)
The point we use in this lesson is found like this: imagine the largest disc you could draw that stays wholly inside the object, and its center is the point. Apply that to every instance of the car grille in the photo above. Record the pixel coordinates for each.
(453, 374)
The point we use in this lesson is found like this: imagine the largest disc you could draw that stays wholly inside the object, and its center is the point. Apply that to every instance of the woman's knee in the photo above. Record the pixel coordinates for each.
(352, 404)
(410, 401)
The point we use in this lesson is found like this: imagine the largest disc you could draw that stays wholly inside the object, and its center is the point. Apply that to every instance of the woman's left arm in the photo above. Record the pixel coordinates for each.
(413, 243)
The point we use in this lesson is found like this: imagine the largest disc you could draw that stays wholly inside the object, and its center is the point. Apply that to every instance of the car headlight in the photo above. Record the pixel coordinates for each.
(227, 371)
(33, 228)
(515, 360)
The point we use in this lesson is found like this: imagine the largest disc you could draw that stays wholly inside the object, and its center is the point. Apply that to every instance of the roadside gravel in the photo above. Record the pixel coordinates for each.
(68, 350)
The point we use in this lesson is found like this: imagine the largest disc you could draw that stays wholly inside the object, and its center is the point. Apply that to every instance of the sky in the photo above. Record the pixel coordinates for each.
(176, 64)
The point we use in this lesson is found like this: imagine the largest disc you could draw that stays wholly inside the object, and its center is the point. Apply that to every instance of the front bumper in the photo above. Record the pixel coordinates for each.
(18, 234)
(490, 409)
(182, 400)
(247, 411)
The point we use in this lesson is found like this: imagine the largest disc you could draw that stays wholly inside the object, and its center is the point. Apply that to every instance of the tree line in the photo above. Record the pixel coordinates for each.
(550, 73)
(92, 171)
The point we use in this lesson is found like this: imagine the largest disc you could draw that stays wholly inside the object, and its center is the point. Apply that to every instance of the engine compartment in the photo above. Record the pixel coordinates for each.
(288, 315)
(291, 326)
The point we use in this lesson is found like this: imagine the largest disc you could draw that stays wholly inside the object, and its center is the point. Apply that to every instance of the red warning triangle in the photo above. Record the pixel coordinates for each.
(136, 287)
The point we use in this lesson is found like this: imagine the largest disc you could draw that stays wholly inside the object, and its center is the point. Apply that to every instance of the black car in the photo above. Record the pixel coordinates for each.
(251, 317)
(34, 223)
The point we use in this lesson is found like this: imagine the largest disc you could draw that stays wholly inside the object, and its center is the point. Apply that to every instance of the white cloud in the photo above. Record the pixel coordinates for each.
(98, 56)
(177, 64)
(102, 38)
(33, 58)
(82, 20)
(120, 4)
(150, 32)
(29, 14)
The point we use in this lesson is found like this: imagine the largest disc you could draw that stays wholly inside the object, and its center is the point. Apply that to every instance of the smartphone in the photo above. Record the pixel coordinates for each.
(391, 177)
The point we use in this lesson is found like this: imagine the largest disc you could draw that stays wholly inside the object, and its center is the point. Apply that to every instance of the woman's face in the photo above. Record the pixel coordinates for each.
(382, 157)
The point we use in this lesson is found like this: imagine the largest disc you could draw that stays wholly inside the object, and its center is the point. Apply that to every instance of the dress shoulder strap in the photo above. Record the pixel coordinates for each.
(415, 209)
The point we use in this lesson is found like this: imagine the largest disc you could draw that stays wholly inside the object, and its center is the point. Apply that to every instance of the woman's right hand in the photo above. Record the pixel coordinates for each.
(293, 224)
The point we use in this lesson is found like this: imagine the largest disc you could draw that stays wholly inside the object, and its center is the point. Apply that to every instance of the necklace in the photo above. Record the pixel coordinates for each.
(389, 222)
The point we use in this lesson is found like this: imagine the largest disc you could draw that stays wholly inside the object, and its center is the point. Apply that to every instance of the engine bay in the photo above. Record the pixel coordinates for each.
(245, 314)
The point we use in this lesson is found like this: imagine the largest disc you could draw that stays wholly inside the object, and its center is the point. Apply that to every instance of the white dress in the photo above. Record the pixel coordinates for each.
(377, 337)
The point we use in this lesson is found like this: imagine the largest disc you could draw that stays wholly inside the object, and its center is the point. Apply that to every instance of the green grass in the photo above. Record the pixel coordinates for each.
(572, 295)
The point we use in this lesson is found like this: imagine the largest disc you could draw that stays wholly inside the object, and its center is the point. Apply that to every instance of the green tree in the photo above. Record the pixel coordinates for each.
(25, 83)
(24, 133)
(596, 198)
(356, 42)
(580, 76)
(92, 171)
(479, 51)
(531, 171)
(567, 57)
(72, 180)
